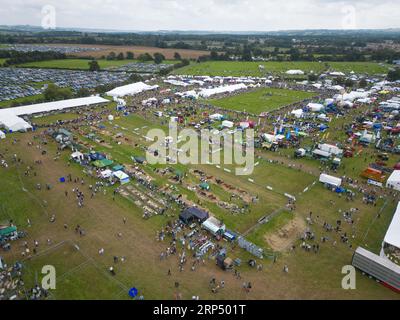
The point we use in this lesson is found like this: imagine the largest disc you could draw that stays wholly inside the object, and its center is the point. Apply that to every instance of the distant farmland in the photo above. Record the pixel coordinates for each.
(233, 68)
(81, 64)
(262, 100)
(137, 50)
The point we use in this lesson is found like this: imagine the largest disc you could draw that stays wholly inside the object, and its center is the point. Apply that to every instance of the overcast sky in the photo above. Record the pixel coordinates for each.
(216, 15)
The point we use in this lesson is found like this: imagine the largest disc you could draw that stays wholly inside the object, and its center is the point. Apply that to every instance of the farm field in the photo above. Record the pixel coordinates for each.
(81, 64)
(262, 100)
(370, 68)
(227, 68)
(137, 50)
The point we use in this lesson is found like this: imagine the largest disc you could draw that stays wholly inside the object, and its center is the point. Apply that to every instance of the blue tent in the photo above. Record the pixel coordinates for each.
(323, 127)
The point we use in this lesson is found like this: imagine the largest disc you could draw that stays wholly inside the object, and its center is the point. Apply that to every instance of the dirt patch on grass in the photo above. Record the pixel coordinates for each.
(284, 237)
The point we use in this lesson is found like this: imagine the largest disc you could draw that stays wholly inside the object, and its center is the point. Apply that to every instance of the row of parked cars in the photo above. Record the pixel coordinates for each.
(20, 82)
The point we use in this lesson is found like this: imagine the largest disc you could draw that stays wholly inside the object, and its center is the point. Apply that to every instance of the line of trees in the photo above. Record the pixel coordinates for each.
(16, 57)
(144, 57)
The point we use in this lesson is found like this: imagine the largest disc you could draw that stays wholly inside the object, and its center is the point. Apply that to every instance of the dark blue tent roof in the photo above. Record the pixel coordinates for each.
(193, 213)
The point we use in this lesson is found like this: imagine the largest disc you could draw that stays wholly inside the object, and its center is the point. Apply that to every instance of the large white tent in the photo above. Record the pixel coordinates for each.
(205, 93)
(177, 83)
(392, 236)
(330, 180)
(10, 117)
(315, 107)
(295, 72)
(353, 95)
(131, 89)
(394, 181)
(2, 135)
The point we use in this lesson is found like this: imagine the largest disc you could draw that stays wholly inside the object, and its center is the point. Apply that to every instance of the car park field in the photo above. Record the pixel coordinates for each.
(81, 64)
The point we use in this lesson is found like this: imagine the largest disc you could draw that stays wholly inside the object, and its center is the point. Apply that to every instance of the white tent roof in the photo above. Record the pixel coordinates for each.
(205, 93)
(228, 124)
(394, 180)
(106, 173)
(393, 233)
(55, 105)
(353, 96)
(11, 120)
(335, 73)
(77, 154)
(295, 72)
(131, 89)
(315, 106)
(187, 94)
(213, 225)
(298, 113)
(324, 178)
(177, 83)
(120, 175)
(216, 116)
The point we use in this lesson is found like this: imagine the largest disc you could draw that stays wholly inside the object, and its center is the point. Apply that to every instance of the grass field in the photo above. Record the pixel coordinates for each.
(227, 68)
(263, 100)
(81, 64)
(359, 67)
(138, 50)
(24, 101)
(82, 274)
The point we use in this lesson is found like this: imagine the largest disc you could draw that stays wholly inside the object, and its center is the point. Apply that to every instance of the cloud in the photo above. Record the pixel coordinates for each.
(232, 15)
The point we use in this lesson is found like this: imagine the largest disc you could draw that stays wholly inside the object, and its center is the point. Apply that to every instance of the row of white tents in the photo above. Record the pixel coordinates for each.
(11, 120)
(131, 89)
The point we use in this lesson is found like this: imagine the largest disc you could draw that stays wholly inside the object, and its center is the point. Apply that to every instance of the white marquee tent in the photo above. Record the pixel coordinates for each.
(10, 118)
(392, 236)
(131, 89)
(205, 93)
(295, 72)
(333, 181)
(394, 181)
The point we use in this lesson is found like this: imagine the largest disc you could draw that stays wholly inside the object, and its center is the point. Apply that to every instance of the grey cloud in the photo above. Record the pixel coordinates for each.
(233, 15)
